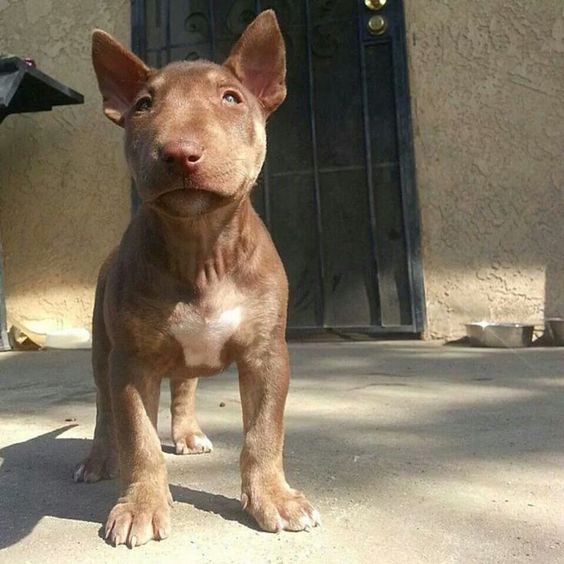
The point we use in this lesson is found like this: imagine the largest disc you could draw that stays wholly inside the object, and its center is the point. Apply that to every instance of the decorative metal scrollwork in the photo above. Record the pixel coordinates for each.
(197, 28)
(326, 35)
(325, 40)
(240, 15)
(324, 7)
(198, 31)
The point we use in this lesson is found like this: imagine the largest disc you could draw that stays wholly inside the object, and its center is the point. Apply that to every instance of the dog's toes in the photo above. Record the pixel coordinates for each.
(81, 474)
(134, 523)
(94, 469)
(286, 509)
(194, 443)
(299, 515)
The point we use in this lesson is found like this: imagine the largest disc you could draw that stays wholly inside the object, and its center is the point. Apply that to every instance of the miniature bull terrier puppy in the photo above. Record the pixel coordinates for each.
(196, 283)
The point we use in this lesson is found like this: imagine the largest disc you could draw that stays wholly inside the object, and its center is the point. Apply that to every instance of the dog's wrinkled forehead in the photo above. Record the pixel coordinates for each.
(180, 79)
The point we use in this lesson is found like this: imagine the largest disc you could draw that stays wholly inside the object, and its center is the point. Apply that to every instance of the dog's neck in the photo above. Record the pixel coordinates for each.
(202, 250)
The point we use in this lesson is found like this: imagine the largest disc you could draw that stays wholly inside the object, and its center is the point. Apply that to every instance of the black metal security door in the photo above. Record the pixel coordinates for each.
(337, 191)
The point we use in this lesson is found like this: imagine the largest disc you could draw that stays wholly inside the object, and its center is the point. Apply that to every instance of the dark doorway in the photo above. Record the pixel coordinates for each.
(337, 191)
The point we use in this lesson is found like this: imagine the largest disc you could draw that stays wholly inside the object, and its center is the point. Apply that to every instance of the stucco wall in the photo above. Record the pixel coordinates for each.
(64, 191)
(487, 81)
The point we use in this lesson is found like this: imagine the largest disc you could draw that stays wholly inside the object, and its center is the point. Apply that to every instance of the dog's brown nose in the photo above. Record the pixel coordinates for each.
(183, 155)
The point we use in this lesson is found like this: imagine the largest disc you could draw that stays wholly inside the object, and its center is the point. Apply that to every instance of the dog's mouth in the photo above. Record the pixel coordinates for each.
(187, 184)
(183, 202)
(194, 194)
(190, 184)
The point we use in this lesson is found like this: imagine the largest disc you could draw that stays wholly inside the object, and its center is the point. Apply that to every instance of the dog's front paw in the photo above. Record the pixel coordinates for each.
(138, 518)
(192, 443)
(280, 508)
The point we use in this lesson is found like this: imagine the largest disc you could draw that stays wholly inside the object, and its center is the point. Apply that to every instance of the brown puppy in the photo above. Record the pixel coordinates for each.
(196, 283)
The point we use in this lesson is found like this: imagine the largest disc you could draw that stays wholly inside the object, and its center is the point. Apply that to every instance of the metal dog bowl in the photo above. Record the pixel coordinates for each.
(555, 328)
(500, 335)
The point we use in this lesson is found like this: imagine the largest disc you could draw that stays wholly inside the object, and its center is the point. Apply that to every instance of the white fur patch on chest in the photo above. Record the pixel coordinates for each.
(203, 330)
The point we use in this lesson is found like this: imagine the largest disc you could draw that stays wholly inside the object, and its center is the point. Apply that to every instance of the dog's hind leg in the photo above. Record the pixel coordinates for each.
(186, 432)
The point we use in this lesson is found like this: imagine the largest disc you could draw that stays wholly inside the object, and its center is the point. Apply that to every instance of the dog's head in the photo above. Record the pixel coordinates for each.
(195, 131)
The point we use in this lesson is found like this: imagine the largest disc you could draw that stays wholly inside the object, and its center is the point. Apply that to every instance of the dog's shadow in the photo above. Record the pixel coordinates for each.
(36, 482)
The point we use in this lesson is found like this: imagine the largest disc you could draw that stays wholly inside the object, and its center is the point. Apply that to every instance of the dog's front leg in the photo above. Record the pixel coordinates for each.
(142, 512)
(265, 494)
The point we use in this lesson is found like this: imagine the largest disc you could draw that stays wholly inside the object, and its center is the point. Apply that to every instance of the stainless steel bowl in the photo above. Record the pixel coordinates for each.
(500, 335)
(555, 329)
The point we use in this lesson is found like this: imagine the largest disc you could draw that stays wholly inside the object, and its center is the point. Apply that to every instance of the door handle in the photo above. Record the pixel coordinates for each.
(377, 25)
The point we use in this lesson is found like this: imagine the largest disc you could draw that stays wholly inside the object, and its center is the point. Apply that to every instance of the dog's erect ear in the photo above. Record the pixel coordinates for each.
(120, 74)
(258, 60)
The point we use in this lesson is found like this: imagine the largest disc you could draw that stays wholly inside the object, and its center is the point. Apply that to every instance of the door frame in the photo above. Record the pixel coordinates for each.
(408, 185)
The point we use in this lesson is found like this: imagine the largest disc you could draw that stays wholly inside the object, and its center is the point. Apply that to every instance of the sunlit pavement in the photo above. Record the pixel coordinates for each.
(412, 452)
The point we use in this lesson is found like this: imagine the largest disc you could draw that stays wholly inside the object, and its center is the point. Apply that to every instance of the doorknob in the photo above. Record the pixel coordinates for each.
(375, 4)
(377, 25)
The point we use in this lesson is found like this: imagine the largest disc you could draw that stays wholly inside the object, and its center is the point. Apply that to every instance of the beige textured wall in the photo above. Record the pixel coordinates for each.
(487, 81)
(64, 192)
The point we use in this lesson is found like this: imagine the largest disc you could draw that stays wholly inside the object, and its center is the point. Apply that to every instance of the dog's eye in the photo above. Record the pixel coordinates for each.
(231, 98)
(143, 104)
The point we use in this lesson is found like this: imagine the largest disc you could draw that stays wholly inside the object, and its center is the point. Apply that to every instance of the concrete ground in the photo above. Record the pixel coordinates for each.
(412, 452)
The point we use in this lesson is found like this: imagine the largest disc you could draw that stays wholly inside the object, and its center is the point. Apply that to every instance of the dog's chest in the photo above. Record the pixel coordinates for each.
(202, 329)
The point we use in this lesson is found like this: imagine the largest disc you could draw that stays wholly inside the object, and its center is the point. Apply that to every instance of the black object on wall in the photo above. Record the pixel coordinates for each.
(23, 88)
